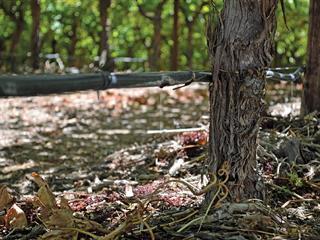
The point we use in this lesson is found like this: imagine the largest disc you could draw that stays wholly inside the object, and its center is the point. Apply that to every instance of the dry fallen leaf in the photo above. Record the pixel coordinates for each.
(58, 218)
(5, 202)
(64, 204)
(15, 218)
(61, 218)
(5, 197)
(45, 195)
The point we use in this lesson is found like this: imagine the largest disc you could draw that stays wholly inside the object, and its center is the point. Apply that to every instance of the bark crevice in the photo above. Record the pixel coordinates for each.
(240, 47)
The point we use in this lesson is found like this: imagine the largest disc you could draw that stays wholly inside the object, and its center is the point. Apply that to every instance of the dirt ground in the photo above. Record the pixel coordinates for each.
(129, 165)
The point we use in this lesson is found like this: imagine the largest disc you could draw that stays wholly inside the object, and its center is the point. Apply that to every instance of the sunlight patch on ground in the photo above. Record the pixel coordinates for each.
(286, 109)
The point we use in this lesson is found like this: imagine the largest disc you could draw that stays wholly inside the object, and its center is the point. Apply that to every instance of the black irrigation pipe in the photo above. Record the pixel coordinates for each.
(45, 84)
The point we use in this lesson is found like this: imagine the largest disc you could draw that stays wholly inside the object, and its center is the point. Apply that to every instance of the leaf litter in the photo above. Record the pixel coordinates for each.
(101, 176)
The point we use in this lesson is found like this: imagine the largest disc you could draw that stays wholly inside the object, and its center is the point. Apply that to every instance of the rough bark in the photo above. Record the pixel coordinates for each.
(175, 36)
(106, 62)
(35, 35)
(241, 46)
(311, 95)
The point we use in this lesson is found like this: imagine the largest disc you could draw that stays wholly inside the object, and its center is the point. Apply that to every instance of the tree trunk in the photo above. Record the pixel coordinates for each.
(2, 50)
(190, 45)
(155, 58)
(106, 63)
(241, 47)
(73, 41)
(311, 95)
(175, 36)
(35, 35)
(16, 13)
(190, 20)
(15, 39)
(54, 46)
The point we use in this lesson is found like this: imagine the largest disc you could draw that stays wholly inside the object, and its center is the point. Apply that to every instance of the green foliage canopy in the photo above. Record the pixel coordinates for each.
(130, 34)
